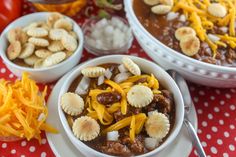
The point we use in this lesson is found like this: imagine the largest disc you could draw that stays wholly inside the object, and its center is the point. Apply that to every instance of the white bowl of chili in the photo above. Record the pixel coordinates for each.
(147, 67)
(192, 69)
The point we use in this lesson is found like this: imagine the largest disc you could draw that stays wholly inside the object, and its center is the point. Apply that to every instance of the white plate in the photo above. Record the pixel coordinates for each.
(61, 145)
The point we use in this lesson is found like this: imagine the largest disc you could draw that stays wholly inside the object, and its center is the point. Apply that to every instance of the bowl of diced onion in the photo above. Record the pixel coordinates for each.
(107, 36)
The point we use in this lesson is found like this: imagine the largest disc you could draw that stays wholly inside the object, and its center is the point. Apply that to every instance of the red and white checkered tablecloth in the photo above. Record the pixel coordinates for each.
(215, 110)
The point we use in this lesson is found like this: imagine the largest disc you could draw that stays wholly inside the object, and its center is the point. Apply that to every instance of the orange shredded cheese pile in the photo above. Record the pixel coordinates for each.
(104, 115)
(99, 111)
(136, 123)
(202, 22)
(22, 109)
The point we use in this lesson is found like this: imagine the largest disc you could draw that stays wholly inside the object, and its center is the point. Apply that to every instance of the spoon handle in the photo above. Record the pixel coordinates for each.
(187, 105)
(195, 139)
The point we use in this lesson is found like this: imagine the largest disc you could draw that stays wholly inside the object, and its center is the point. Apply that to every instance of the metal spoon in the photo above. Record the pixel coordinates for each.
(51, 1)
(187, 106)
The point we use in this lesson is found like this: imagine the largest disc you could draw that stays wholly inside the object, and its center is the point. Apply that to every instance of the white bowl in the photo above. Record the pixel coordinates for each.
(99, 52)
(192, 69)
(41, 75)
(147, 67)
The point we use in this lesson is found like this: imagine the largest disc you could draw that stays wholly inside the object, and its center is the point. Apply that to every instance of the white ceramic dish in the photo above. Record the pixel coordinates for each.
(193, 70)
(147, 67)
(42, 75)
(181, 146)
(98, 52)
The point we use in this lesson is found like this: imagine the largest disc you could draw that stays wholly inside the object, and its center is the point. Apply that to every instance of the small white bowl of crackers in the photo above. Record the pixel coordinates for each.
(46, 45)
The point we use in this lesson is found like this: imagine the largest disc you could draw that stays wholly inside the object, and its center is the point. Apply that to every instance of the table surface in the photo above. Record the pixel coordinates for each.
(215, 110)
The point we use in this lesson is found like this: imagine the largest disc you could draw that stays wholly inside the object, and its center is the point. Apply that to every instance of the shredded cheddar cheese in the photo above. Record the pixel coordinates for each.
(97, 110)
(232, 18)
(152, 81)
(114, 107)
(123, 95)
(203, 22)
(22, 109)
(104, 114)
(132, 129)
(135, 122)
(224, 21)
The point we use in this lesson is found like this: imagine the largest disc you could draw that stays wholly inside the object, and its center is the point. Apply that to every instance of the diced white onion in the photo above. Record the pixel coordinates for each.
(172, 16)
(96, 33)
(118, 38)
(150, 143)
(116, 22)
(122, 68)
(213, 37)
(99, 44)
(90, 41)
(101, 23)
(208, 50)
(113, 136)
(128, 33)
(125, 29)
(101, 80)
(109, 34)
(83, 86)
(224, 29)
(205, 45)
(81, 91)
(108, 30)
(182, 18)
(121, 77)
(108, 74)
(41, 116)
